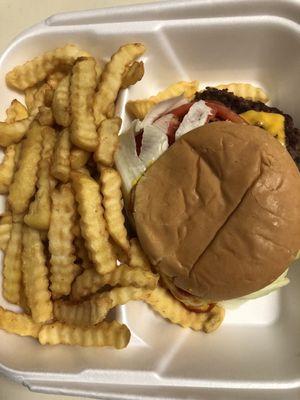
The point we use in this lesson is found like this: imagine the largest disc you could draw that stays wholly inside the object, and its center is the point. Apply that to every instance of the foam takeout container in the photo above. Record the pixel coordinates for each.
(256, 353)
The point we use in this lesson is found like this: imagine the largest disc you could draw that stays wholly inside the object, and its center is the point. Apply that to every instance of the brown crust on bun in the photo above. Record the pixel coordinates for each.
(218, 213)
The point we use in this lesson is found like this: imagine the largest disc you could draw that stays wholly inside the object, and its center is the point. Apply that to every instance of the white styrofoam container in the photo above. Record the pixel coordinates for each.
(256, 353)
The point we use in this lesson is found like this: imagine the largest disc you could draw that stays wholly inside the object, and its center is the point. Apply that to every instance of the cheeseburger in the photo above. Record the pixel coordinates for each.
(213, 191)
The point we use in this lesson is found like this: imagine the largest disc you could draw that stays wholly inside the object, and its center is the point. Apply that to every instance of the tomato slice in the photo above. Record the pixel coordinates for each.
(196, 309)
(224, 113)
(173, 126)
(181, 110)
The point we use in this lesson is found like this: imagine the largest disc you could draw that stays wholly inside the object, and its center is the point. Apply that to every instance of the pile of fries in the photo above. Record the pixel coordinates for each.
(67, 256)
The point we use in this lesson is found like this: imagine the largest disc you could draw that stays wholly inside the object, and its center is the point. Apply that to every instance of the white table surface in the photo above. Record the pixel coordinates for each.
(15, 16)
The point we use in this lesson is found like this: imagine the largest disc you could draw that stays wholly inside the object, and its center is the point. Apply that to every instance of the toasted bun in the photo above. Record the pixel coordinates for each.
(218, 213)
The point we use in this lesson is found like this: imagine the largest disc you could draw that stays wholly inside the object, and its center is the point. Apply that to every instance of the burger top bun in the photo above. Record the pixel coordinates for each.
(219, 211)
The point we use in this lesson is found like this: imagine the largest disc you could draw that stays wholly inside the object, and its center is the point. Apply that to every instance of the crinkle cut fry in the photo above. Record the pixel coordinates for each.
(5, 229)
(12, 264)
(92, 222)
(96, 308)
(38, 96)
(137, 257)
(8, 167)
(105, 334)
(168, 307)
(82, 91)
(111, 79)
(63, 269)
(18, 323)
(37, 69)
(38, 216)
(60, 168)
(89, 282)
(61, 102)
(133, 74)
(108, 132)
(16, 112)
(113, 205)
(23, 185)
(245, 90)
(45, 116)
(35, 276)
(14, 132)
(140, 108)
(78, 158)
(56, 77)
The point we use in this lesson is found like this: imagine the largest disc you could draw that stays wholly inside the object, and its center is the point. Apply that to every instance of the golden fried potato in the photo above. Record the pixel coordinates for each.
(92, 222)
(111, 79)
(78, 158)
(23, 185)
(95, 309)
(113, 206)
(63, 269)
(168, 307)
(38, 96)
(30, 94)
(5, 229)
(56, 77)
(38, 216)
(89, 282)
(20, 324)
(14, 132)
(45, 116)
(16, 112)
(60, 168)
(61, 102)
(133, 74)
(82, 90)
(137, 258)
(87, 313)
(35, 276)
(140, 108)
(8, 167)
(245, 90)
(12, 264)
(108, 132)
(105, 334)
(37, 69)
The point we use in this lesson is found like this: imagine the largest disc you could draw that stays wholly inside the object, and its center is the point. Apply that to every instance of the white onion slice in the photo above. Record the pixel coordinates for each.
(196, 117)
(127, 162)
(163, 122)
(160, 109)
(154, 144)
